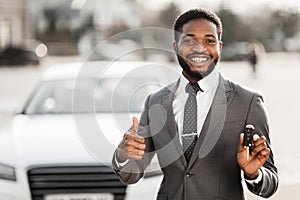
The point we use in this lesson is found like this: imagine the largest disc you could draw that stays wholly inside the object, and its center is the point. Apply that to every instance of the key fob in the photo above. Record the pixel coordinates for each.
(248, 135)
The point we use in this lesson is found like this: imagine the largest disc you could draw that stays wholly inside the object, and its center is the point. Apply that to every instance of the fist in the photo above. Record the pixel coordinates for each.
(132, 145)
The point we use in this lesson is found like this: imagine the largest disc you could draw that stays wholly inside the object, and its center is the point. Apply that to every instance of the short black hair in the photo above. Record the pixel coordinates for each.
(197, 13)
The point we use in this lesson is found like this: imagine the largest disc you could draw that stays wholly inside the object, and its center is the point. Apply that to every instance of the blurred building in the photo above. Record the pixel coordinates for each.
(60, 24)
(14, 23)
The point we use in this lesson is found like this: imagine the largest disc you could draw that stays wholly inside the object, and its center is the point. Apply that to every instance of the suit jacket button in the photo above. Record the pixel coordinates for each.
(188, 175)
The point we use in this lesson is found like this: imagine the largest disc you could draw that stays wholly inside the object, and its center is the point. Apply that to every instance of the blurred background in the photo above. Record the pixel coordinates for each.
(261, 50)
(74, 27)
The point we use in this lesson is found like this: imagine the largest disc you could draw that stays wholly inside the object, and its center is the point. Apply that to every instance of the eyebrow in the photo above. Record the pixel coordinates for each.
(193, 35)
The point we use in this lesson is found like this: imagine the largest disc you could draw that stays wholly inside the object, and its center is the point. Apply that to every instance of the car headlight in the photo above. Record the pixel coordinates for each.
(7, 172)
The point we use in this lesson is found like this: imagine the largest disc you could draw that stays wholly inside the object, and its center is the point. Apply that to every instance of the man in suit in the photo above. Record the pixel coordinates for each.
(209, 160)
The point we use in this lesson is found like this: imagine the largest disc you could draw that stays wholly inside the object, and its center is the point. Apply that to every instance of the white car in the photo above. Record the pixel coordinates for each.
(61, 144)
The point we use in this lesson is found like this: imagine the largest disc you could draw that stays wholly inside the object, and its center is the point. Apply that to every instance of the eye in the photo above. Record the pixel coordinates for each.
(210, 41)
(188, 41)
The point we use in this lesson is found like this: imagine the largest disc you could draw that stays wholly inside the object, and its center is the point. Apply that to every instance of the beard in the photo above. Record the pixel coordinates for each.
(196, 75)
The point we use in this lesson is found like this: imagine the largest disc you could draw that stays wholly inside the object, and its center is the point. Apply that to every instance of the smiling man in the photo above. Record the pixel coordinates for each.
(195, 126)
(197, 46)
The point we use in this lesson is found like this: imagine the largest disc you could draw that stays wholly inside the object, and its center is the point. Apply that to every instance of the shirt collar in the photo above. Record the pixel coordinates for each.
(207, 83)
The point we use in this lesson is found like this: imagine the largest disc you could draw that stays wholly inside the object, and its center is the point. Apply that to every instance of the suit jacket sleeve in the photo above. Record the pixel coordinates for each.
(257, 116)
(133, 170)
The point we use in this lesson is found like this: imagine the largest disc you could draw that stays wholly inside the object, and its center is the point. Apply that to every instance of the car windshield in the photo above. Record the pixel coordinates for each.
(107, 95)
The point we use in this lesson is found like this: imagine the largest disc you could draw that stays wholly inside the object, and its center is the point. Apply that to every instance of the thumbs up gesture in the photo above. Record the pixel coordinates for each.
(132, 146)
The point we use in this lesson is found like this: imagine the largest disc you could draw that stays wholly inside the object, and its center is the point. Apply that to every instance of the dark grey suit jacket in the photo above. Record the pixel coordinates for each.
(213, 172)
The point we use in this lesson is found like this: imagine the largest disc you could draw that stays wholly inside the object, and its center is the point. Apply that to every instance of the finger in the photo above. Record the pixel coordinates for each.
(241, 147)
(241, 139)
(134, 137)
(133, 151)
(264, 155)
(260, 140)
(255, 137)
(135, 124)
(259, 148)
(136, 145)
(134, 154)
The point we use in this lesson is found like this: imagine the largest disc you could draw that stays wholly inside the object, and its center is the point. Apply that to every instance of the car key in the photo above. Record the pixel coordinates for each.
(248, 138)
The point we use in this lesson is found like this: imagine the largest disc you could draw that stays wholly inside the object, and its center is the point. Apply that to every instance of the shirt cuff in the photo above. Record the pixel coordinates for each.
(120, 164)
(257, 180)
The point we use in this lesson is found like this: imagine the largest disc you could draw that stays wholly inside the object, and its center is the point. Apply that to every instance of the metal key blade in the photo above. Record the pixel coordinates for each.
(247, 155)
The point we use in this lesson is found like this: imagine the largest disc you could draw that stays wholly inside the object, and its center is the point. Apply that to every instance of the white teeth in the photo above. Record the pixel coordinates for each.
(198, 59)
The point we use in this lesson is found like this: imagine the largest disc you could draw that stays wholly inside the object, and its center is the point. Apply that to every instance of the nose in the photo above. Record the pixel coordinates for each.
(198, 47)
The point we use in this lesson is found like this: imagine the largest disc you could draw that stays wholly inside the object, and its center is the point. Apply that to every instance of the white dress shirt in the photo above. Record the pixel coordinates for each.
(209, 86)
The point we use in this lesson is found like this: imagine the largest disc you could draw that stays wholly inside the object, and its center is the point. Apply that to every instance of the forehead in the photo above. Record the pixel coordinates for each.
(200, 26)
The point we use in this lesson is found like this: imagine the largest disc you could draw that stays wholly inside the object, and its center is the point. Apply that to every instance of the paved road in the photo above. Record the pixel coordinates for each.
(277, 78)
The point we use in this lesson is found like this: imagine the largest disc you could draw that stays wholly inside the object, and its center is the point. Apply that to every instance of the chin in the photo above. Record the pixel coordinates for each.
(204, 70)
(199, 68)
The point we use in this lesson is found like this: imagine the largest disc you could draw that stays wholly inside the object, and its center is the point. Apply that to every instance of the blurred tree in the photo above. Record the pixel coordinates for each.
(117, 28)
(234, 28)
(59, 34)
(282, 25)
(291, 21)
(168, 14)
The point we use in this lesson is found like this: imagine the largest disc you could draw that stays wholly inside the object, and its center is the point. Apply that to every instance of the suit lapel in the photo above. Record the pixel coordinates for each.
(214, 121)
(167, 102)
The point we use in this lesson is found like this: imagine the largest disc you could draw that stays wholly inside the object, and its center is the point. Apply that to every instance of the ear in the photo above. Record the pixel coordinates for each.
(175, 47)
(220, 46)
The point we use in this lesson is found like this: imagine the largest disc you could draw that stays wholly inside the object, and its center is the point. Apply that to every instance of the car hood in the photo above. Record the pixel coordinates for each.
(57, 139)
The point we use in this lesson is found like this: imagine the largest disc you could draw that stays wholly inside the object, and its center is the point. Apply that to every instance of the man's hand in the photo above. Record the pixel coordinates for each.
(132, 146)
(258, 156)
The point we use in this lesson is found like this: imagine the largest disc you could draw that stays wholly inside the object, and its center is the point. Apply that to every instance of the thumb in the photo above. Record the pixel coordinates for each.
(241, 139)
(241, 147)
(135, 124)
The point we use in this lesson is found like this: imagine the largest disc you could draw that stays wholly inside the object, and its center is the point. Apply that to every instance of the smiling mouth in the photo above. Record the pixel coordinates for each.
(199, 58)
